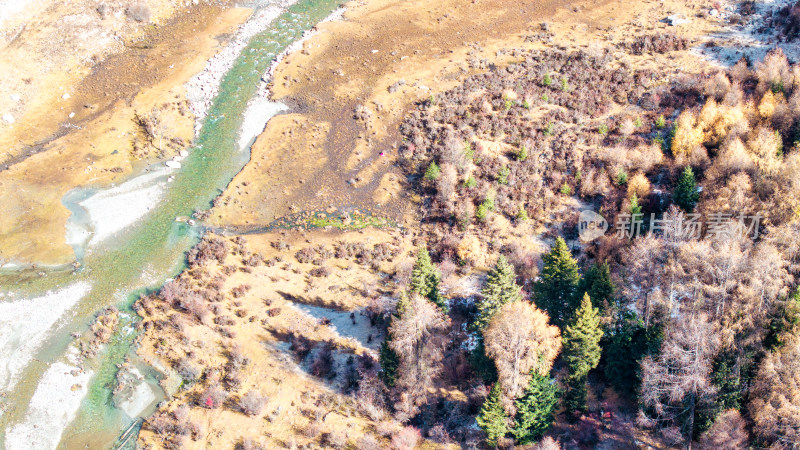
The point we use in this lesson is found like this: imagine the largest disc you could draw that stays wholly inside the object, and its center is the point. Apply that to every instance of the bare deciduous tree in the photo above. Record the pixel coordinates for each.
(728, 432)
(775, 407)
(419, 338)
(674, 382)
(520, 340)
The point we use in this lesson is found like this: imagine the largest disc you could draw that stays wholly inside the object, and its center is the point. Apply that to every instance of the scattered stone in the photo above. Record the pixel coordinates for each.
(8, 118)
(675, 20)
(65, 96)
(15, 97)
(173, 164)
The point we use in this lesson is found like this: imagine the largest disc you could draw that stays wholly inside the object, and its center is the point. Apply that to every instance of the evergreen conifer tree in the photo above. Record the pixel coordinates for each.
(425, 279)
(686, 194)
(492, 417)
(501, 288)
(636, 208)
(581, 352)
(597, 283)
(387, 357)
(432, 172)
(555, 291)
(535, 409)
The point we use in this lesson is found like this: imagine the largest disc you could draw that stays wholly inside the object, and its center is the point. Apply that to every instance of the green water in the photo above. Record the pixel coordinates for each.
(153, 250)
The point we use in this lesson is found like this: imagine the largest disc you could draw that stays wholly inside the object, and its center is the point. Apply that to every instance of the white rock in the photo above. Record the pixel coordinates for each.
(71, 115)
(676, 20)
(184, 153)
(15, 97)
(173, 164)
(7, 117)
(65, 96)
(374, 51)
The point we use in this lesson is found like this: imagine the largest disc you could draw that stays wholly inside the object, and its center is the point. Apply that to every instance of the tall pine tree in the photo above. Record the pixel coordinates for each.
(425, 279)
(492, 418)
(555, 291)
(535, 409)
(501, 288)
(626, 342)
(597, 283)
(581, 352)
(686, 193)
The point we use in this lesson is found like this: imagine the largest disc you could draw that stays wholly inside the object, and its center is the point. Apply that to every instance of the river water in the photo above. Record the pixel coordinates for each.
(41, 398)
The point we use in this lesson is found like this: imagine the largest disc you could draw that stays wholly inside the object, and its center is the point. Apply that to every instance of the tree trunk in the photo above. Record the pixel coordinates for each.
(691, 419)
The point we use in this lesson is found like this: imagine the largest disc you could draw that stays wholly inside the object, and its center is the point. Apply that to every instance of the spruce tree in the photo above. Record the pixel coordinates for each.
(432, 172)
(635, 207)
(387, 357)
(686, 194)
(626, 343)
(555, 291)
(597, 283)
(389, 362)
(501, 288)
(492, 417)
(425, 279)
(535, 409)
(581, 352)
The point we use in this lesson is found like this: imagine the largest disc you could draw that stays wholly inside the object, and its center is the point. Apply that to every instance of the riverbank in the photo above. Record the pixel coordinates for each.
(151, 250)
(129, 111)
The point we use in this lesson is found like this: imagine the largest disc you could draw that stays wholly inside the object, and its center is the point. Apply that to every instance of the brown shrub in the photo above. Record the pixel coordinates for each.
(213, 397)
(639, 185)
(320, 272)
(336, 439)
(406, 439)
(368, 442)
(252, 403)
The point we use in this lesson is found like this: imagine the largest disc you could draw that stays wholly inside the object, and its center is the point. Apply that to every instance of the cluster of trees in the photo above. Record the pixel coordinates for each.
(515, 347)
(700, 331)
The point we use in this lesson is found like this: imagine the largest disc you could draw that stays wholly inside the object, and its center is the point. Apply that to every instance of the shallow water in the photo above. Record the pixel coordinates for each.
(141, 257)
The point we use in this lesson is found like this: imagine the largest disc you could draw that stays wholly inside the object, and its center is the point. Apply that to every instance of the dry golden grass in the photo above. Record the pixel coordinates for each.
(300, 408)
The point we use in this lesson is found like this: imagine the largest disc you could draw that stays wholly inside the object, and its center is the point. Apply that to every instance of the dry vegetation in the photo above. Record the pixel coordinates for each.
(683, 340)
(226, 340)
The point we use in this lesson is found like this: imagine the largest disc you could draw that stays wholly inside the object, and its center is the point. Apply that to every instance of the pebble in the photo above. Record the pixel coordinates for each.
(8, 118)
(65, 96)
(15, 97)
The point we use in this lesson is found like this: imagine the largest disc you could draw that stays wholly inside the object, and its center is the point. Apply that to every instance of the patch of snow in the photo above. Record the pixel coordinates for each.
(53, 406)
(258, 113)
(114, 209)
(24, 325)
